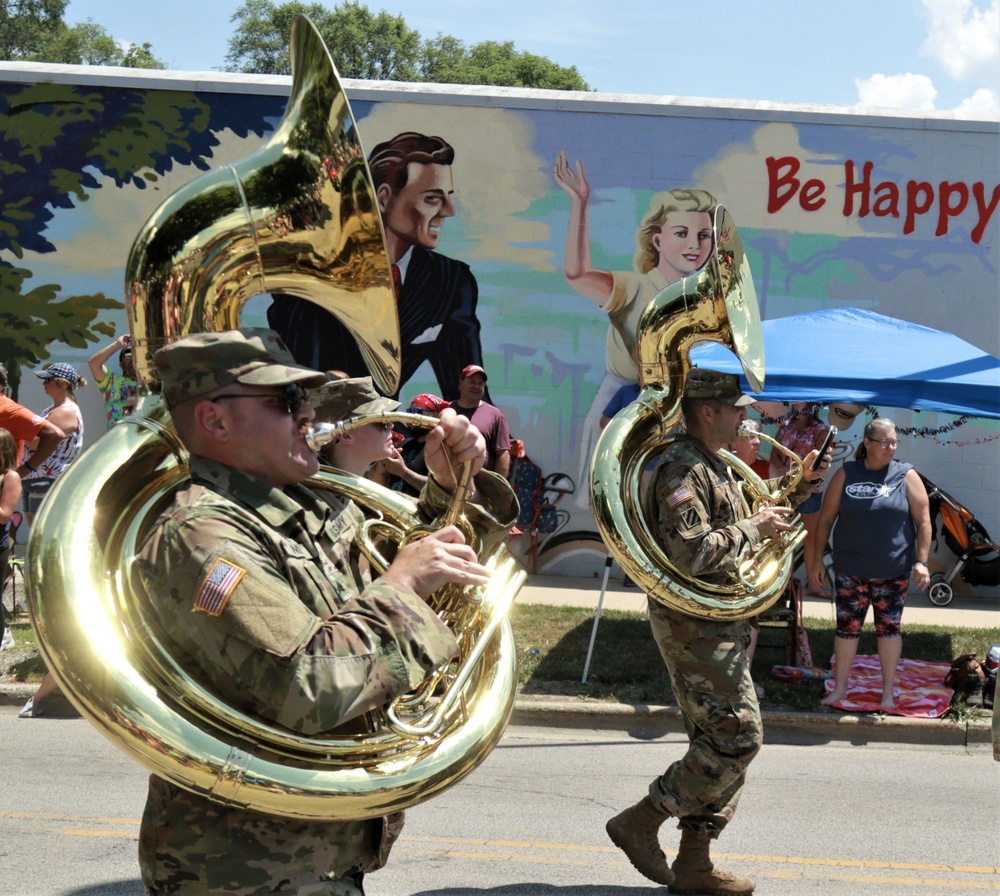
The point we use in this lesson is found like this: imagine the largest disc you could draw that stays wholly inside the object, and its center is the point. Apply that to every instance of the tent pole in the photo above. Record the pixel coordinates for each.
(597, 617)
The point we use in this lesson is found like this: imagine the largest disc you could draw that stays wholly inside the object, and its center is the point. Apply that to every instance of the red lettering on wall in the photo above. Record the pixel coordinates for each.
(985, 212)
(919, 199)
(863, 197)
(812, 195)
(863, 188)
(782, 184)
(946, 190)
(886, 201)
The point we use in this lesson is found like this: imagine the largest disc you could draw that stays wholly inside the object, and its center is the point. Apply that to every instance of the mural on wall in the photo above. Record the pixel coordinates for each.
(436, 295)
(838, 210)
(674, 240)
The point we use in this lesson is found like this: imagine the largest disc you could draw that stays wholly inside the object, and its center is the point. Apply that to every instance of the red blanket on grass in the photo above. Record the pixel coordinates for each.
(920, 689)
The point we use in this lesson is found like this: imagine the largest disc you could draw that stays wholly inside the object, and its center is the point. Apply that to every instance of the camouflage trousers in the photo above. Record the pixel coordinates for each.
(710, 675)
(190, 846)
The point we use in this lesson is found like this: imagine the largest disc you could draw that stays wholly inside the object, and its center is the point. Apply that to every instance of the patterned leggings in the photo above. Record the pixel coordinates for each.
(886, 597)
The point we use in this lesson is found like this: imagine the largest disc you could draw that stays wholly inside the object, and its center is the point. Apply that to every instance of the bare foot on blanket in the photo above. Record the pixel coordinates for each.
(832, 697)
(888, 700)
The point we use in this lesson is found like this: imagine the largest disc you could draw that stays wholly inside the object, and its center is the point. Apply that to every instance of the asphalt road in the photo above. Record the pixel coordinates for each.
(832, 818)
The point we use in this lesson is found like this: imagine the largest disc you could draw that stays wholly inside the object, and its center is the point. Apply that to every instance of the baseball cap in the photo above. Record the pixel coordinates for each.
(724, 387)
(428, 402)
(842, 414)
(63, 371)
(349, 397)
(471, 369)
(204, 362)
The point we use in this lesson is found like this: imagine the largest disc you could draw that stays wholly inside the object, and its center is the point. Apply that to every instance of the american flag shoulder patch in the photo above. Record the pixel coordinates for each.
(679, 496)
(218, 586)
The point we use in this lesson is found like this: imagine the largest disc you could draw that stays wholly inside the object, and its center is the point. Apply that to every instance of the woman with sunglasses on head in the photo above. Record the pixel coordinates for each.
(61, 382)
(880, 545)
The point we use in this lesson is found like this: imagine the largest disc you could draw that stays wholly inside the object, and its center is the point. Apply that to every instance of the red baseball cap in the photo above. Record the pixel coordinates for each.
(471, 369)
(429, 402)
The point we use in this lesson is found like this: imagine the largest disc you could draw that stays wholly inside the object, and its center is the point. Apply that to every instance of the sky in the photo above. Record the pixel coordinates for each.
(919, 55)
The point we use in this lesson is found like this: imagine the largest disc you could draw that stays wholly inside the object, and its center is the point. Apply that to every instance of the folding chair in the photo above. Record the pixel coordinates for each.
(783, 618)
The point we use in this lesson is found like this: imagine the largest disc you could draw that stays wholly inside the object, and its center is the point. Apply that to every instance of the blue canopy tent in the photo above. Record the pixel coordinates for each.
(853, 355)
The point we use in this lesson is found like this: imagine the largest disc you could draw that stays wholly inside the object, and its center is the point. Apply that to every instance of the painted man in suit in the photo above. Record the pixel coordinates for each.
(437, 295)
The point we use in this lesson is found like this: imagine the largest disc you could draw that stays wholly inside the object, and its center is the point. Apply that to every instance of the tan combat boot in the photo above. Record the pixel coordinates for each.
(634, 833)
(694, 872)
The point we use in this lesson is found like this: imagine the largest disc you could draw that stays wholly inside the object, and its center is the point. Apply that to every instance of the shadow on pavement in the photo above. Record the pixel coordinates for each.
(527, 889)
(110, 888)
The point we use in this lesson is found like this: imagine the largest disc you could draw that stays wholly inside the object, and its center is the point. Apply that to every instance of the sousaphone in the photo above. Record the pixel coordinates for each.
(297, 216)
(718, 303)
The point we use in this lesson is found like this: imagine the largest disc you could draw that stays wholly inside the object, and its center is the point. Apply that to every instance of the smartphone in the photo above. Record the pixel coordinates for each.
(831, 434)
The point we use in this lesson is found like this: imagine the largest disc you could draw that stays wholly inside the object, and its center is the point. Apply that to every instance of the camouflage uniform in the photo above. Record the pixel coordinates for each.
(700, 518)
(261, 593)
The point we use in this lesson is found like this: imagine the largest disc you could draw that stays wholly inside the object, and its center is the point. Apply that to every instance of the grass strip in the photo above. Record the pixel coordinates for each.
(626, 667)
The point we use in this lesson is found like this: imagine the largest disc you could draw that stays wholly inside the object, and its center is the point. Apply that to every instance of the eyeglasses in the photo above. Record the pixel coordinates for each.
(292, 397)
(885, 443)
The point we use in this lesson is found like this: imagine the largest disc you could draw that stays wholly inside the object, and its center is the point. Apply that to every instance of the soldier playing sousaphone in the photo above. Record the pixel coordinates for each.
(698, 517)
(252, 578)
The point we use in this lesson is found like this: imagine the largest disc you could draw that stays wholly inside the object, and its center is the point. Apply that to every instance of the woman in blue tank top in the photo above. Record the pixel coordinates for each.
(882, 538)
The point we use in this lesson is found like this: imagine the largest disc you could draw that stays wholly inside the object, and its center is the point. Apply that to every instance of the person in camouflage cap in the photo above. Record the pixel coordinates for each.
(700, 519)
(357, 448)
(253, 581)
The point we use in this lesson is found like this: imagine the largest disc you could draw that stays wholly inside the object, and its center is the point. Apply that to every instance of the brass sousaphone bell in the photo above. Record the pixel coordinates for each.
(718, 303)
(297, 216)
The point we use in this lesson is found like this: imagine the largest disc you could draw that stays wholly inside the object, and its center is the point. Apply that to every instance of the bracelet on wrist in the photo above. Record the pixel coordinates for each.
(28, 467)
(921, 562)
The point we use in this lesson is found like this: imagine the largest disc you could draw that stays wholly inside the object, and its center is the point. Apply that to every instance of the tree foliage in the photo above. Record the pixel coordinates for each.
(26, 26)
(363, 45)
(448, 61)
(35, 31)
(380, 46)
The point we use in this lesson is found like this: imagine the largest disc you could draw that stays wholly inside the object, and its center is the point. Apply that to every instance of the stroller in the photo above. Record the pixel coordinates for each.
(978, 555)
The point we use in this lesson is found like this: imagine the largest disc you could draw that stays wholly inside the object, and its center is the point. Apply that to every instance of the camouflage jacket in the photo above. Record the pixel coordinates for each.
(260, 592)
(699, 514)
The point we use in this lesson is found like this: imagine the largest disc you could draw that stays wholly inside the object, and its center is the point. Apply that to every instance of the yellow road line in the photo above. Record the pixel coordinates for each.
(534, 852)
(450, 847)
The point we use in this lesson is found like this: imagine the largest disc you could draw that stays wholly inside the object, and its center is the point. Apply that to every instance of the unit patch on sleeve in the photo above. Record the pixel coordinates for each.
(218, 586)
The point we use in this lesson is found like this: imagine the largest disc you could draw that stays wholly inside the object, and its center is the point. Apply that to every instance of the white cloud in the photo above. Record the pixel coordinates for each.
(907, 91)
(964, 38)
(984, 103)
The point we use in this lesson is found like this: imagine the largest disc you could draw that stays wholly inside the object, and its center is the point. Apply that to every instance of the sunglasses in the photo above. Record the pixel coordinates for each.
(292, 397)
(885, 443)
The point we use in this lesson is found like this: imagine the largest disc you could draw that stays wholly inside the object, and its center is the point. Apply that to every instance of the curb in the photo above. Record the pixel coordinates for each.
(798, 728)
(648, 722)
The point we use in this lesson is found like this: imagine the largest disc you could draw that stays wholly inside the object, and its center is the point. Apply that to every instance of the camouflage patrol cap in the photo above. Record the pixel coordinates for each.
(724, 387)
(339, 399)
(204, 362)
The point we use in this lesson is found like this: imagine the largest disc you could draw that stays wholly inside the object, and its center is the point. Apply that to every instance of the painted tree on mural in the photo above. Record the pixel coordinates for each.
(58, 144)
